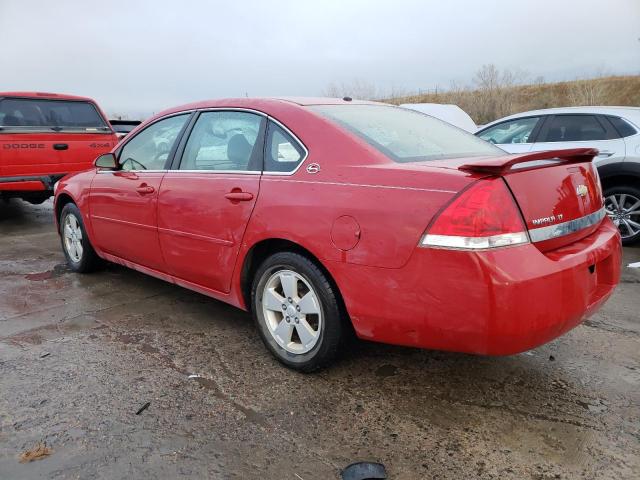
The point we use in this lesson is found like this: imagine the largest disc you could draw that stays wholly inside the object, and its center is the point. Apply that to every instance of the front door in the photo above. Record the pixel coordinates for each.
(123, 203)
(205, 203)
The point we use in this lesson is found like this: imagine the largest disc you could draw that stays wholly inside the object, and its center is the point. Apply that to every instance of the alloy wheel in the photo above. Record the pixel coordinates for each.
(292, 311)
(72, 233)
(624, 210)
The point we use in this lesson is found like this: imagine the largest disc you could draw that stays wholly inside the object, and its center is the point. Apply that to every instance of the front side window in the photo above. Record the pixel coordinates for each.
(149, 149)
(222, 141)
(282, 153)
(512, 131)
(405, 135)
(574, 128)
(32, 114)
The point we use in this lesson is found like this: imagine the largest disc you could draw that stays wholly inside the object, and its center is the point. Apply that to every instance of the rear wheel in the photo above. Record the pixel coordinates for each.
(623, 207)
(80, 255)
(297, 313)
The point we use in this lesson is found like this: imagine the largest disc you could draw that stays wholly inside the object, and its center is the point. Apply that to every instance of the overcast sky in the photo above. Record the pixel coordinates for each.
(137, 57)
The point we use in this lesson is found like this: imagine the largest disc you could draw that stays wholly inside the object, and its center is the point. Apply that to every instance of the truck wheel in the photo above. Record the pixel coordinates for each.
(80, 255)
(297, 313)
(622, 203)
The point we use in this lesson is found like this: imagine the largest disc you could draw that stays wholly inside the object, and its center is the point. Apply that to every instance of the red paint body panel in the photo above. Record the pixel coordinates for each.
(124, 220)
(31, 155)
(496, 301)
(28, 186)
(492, 302)
(562, 201)
(200, 235)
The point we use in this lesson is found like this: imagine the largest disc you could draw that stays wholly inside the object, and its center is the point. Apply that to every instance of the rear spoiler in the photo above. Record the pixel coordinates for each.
(504, 164)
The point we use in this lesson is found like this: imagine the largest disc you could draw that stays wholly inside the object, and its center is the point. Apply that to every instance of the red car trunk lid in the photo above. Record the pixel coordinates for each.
(558, 193)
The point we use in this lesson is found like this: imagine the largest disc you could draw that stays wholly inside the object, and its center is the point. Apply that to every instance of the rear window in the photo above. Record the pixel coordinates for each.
(406, 135)
(39, 115)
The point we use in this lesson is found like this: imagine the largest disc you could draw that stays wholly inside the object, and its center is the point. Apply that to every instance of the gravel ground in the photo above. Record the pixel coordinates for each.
(81, 354)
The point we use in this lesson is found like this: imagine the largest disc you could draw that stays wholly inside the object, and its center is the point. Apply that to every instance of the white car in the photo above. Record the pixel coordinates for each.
(452, 114)
(614, 131)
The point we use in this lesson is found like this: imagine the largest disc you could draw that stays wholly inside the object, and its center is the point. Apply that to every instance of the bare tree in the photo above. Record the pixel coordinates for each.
(496, 91)
(356, 88)
(587, 92)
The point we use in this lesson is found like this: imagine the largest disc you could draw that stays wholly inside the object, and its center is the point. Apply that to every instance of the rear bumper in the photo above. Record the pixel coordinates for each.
(37, 183)
(494, 302)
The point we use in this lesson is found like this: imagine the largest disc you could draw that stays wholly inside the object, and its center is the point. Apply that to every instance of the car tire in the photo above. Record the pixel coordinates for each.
(622, 214)
(80, 255)
(297, 312)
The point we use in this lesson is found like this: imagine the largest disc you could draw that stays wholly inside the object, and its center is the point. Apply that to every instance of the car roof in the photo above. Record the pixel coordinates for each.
(631, 113)
(45, 95)
(263, 103)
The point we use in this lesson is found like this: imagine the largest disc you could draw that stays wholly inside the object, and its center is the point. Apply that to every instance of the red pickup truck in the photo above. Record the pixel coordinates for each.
(43, 137)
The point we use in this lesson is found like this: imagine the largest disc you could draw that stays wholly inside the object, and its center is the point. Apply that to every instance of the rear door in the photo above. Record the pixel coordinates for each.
(580, 131)
(123, 203)
(42, 137)
(207, 199)
(513, 136)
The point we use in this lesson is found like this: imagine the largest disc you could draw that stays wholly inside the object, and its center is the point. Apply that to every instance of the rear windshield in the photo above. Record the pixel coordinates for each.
(405, 135)
(44, 115)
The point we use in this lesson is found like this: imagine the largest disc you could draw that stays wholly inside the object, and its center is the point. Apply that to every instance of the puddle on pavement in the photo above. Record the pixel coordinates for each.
(386, 371)
(138, 340)
(39, 335)
(55, 272)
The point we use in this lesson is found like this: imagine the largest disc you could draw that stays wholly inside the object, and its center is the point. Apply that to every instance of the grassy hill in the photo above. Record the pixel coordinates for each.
(494, 99)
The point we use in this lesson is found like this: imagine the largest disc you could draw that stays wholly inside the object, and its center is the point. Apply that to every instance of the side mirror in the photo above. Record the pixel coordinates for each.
(107, 161)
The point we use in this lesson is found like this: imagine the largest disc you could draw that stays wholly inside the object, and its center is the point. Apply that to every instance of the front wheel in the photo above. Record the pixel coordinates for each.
(297, 312)
(623, 207)
(80, 255)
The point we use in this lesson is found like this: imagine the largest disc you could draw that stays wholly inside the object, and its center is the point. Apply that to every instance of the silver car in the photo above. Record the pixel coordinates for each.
(614, 131)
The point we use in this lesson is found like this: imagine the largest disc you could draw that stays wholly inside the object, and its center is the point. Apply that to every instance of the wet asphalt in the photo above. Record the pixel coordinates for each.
(80, 355)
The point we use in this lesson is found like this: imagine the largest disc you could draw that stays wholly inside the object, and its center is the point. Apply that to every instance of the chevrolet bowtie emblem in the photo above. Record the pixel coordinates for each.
(582, 190)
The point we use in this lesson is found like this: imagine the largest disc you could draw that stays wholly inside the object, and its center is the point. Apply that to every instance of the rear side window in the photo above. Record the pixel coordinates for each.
(224, 141)
(35, 114)
(512, 131)
(282, 153)
(574, 128)
(405, 135)
(622, 126)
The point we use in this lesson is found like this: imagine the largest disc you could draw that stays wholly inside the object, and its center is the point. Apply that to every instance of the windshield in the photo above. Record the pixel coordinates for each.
(405, 135)
(38, 115)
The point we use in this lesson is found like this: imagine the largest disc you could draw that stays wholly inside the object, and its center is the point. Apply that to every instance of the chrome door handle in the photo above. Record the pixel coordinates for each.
(145, 189)
(239, 196)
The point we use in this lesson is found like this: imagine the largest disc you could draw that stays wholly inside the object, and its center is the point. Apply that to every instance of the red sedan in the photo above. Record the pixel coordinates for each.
(324, 216)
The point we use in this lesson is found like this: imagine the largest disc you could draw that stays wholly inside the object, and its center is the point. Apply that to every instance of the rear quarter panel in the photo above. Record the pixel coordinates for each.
(390, 204)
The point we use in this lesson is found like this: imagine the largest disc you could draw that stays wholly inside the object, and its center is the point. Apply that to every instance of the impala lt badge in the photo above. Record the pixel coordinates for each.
(582, 190)
(550, 219)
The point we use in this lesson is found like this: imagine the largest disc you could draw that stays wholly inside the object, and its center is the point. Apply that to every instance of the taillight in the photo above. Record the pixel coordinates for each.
(483, 216)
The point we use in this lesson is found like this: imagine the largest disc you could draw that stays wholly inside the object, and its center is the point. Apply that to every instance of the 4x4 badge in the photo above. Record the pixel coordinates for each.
(313, 168)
